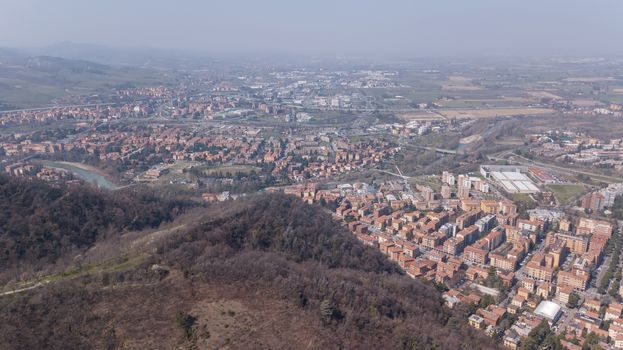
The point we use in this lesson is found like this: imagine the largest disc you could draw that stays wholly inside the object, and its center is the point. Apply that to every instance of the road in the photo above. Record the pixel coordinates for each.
(435, 111)
(520, 272)
(438, 150)
(567, 317)
(21, 290)
(569, 314)
(606, 265)
(404, 177)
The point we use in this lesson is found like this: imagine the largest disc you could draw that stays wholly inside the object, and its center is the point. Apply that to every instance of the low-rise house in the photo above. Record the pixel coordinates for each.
(476, 321)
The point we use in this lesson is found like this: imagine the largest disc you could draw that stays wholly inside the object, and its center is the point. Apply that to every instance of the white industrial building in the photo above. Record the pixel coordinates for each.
(514, 182)
(550, 310)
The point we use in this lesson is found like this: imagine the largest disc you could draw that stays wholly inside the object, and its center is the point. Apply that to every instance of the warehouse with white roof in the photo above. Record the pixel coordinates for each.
(514, 182)
(550, 310)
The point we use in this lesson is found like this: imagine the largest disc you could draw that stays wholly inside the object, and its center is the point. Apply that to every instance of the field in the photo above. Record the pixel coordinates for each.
(565, 193)
(471, 103)
(419, 116)
(493, 112)
(245, 169)
(426, 180)
(471, 138)
(586, 102)
(176, 173)
(599, 127)
(589, 79)
(460, 83)
(521, 197)
(544, 94)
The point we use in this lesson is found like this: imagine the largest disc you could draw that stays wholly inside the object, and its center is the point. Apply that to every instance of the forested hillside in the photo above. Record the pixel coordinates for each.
(40, 222)
(266, 272)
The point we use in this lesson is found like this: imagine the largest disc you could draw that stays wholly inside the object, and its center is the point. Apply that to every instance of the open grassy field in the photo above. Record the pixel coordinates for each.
(459, 83)
(588, 79)
(614, 97)
(358, 138)
(493, 112)
(245, 169)
(478, 103)
(544, 94)
(421, 116)
(514, 141)
(565, 193)
(456, 87)
(425, 180)
(521, 197)
(471, 138)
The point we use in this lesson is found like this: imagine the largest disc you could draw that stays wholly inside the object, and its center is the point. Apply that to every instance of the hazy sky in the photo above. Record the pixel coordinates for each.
(333, 27)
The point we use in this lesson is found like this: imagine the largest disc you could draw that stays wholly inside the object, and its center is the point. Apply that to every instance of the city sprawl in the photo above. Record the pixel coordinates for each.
(494, 183)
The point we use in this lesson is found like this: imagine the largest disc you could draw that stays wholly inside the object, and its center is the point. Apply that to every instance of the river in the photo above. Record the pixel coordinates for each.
(84, 173)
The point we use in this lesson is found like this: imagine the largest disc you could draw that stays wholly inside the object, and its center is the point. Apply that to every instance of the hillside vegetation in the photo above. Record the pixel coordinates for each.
(265, 272)
(40, 223)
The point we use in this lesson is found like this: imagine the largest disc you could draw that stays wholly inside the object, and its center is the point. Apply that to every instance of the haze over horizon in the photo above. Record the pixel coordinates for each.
(398, 28)
(346, 174)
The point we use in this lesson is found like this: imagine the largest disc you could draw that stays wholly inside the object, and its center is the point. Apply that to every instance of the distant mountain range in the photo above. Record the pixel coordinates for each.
(38, 77)
(56, 64)
(133, 57)
(155, 58)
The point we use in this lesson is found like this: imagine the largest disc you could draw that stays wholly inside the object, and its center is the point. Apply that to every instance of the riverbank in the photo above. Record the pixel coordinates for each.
(85, 172)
